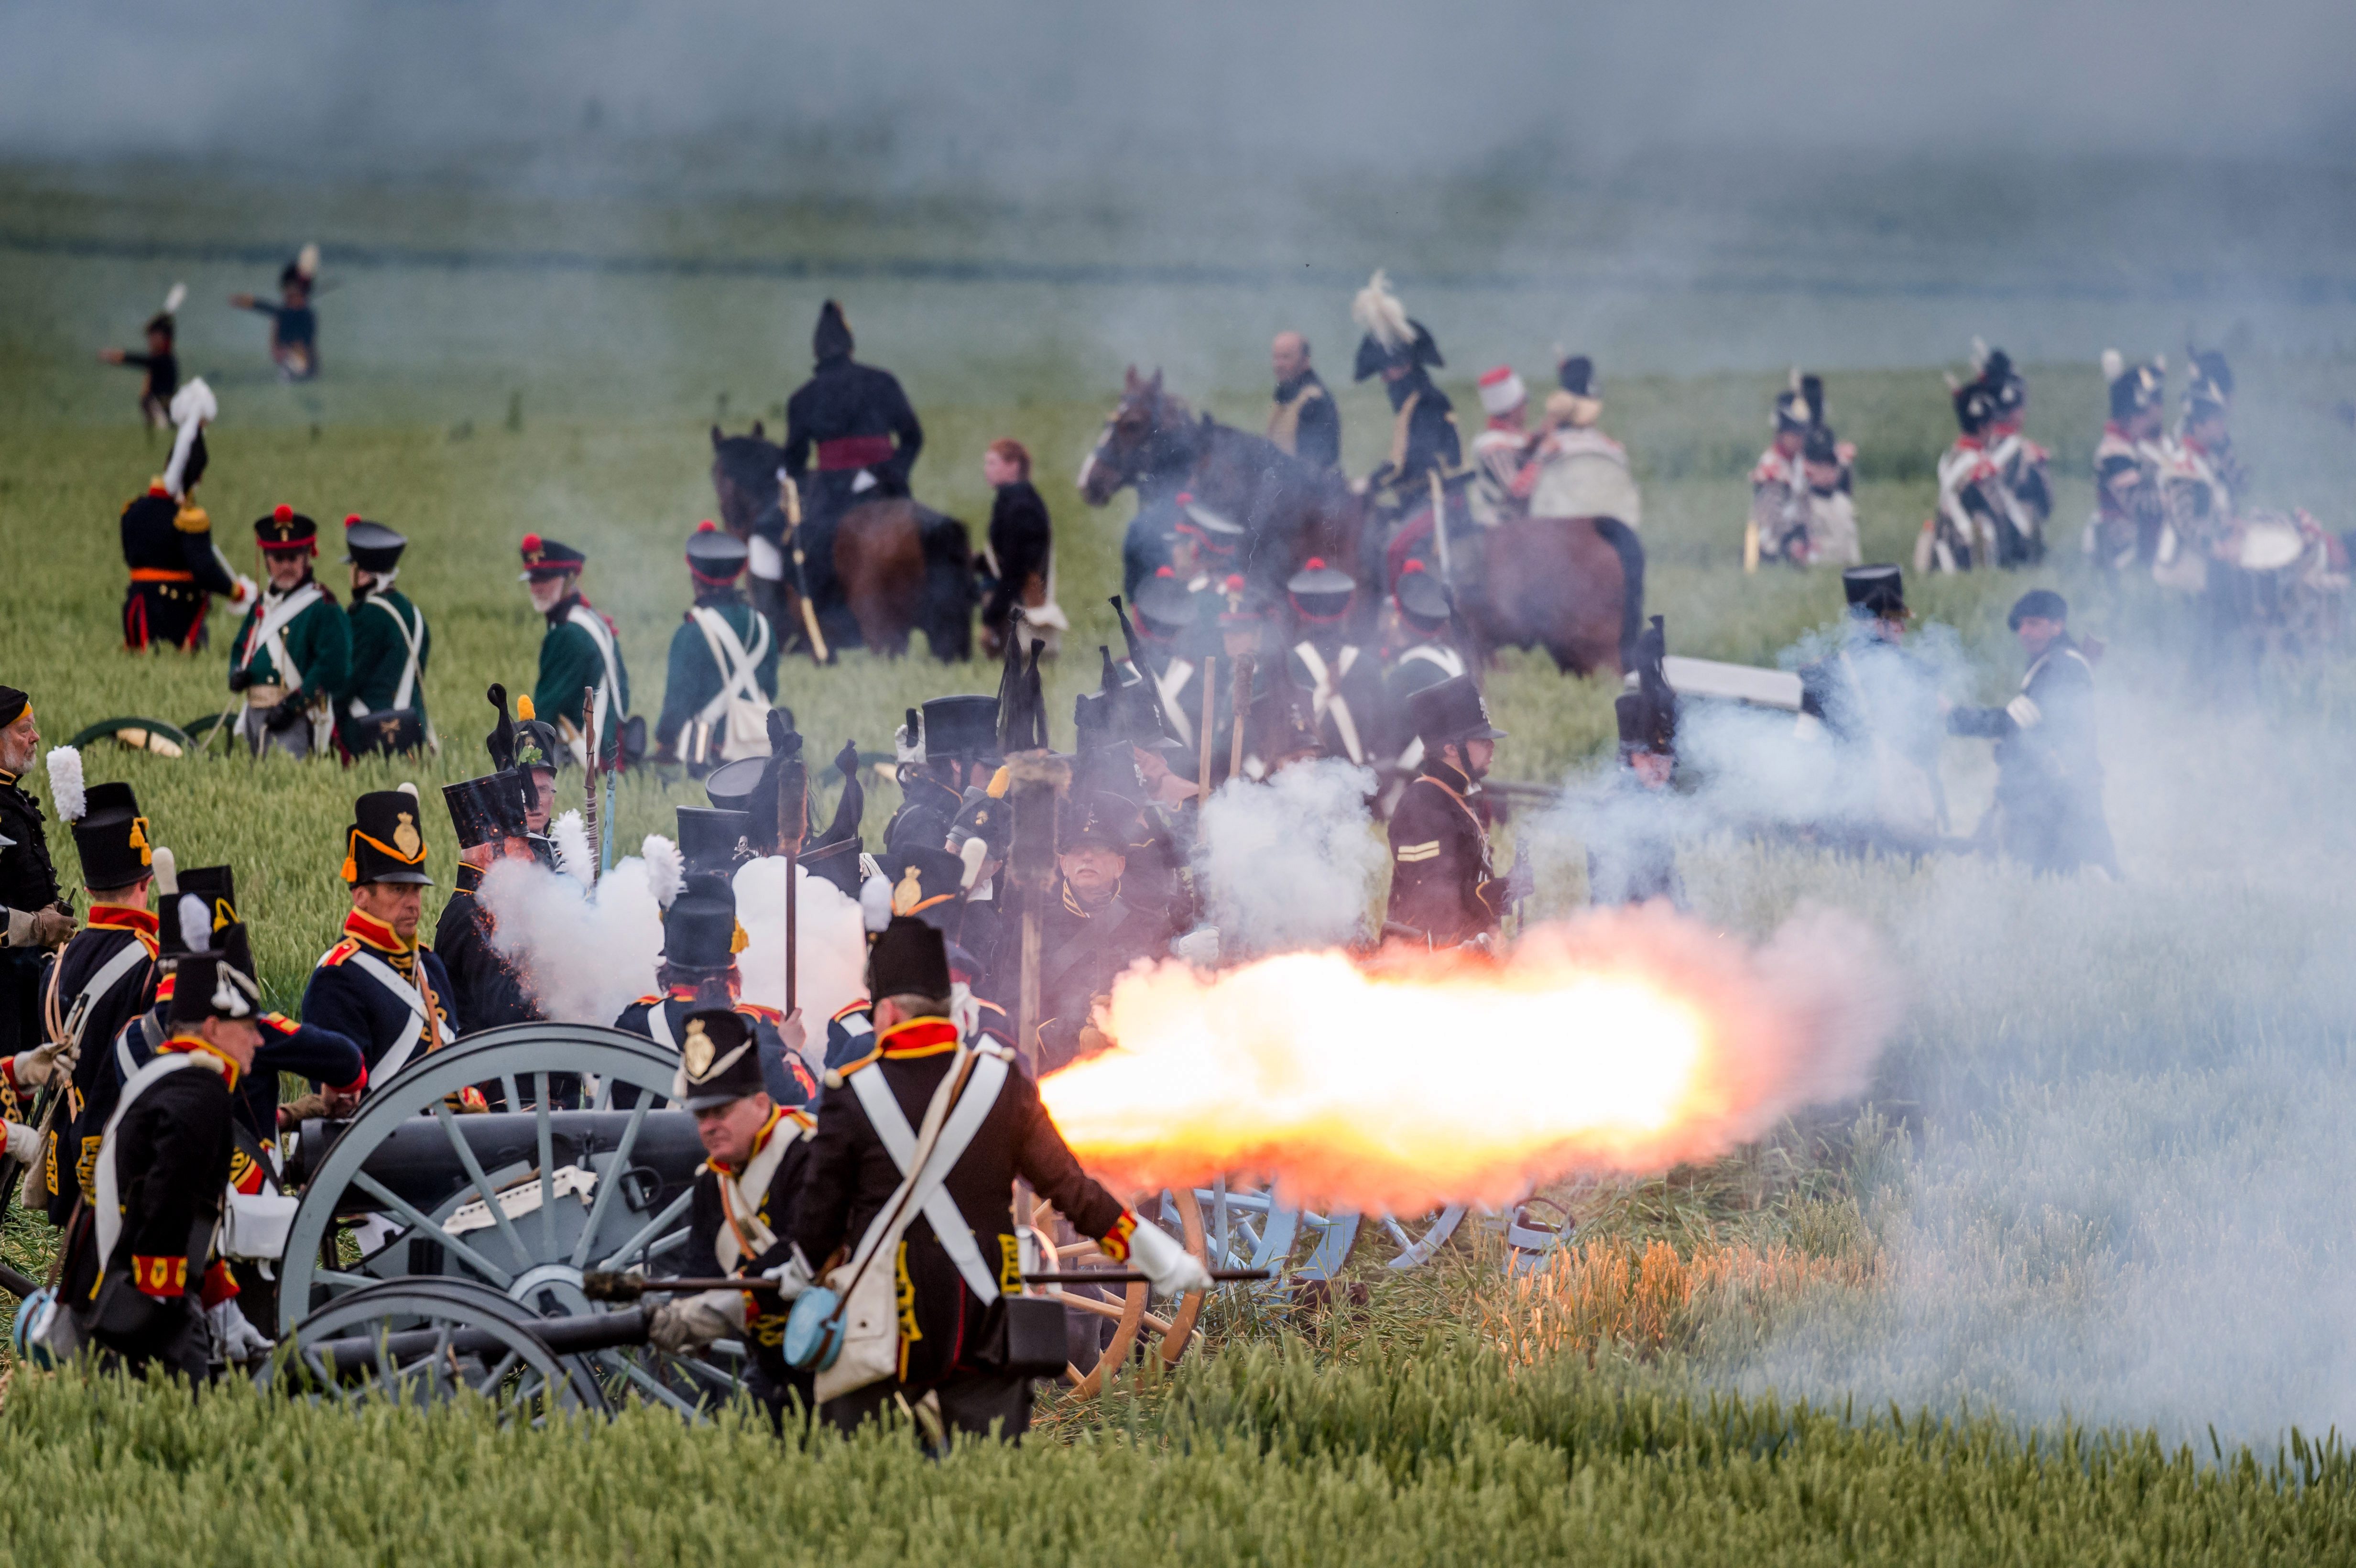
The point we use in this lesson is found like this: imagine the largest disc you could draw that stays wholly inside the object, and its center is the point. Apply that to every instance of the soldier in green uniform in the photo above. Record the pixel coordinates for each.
(723, 664)
(579, 651)
(293, 656)
(384, 706)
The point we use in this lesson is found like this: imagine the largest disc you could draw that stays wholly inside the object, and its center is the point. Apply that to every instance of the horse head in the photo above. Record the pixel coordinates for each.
(744, 476)
(1149, 435)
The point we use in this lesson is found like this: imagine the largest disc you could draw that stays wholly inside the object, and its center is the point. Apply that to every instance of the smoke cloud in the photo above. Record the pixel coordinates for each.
(1292, 863)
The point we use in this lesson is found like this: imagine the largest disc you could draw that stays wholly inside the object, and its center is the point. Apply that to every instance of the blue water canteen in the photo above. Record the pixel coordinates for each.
(814, 1329)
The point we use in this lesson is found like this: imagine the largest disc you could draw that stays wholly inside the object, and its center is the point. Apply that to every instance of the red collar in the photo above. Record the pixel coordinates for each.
(140, 922)
(375, 934)
(760, 1142)
(918, 1037)
(193, 1045)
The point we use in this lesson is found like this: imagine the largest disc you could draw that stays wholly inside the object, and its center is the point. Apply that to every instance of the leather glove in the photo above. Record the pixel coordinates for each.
(238, 679)
(294, 1113)
(792, 1277)
(283, 717)
(683, 1328)
(23, 1144)
(44, 1064)
(238, 1341)
(846, 761)
(1170, 1266)
(52, 926)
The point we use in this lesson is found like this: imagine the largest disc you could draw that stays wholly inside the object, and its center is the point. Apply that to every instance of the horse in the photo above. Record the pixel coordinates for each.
(902, 567)
(1573, 586)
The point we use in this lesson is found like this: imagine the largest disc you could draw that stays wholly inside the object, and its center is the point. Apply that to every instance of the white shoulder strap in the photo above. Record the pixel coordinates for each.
(396, 1057)
(108, 975)
(410, 636)
(929, 1198)
(275, 621)
(659, 1026)
(735, 663)
(740, 1196)
(609, 693)
(1170, 683)
(108, 1210)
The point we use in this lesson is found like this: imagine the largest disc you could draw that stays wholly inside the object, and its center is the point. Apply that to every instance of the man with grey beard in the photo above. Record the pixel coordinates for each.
(2048, 792)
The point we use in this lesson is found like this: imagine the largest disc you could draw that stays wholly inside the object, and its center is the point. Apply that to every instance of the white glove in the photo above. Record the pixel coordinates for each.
(1199, 947)
(44, 1064)
(243, 599)
(683, 1328)
(792, 1277)
(23, 1144)
(1170, 1266)
(238, 1341)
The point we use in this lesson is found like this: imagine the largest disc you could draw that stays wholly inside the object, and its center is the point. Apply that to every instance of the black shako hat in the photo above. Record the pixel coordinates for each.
(699, 929)
(715, 557)
(730, 786)
(908, 958)
(1820, 446)
(112, 838)
(1577, 375)
(1319, 592)
(284, 529)
(712, 838)
(549, 557)
(1212, 530)
(961, 727)
(487, 810)
(1876, 591)
(205, 904)
(1450, 712)
(12, 704)
(719, 1063)
(2040, 603)
(925, 882)
(371, 546)
(384, 842)
(1165, 608)
(984, 816)
(2135, 388)
(1420, 597)
(1100, 815)
(1975, 407)
(830, 339)
(1648, 715)
(218, 983)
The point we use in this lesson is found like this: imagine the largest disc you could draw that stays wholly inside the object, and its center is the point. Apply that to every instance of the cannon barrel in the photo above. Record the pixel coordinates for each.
(415, 1159)
(357, 1355)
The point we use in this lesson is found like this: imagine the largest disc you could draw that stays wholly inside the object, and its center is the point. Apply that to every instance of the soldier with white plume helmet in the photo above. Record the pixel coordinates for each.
(1401, 350)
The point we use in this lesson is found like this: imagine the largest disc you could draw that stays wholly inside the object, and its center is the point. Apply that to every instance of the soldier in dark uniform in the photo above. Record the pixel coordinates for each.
(2129, 512)
(1631, 851)
(1341, 681)
(724, 664)
(1423, 423)
(142, 1284)
(1302, 419)
(579, 650)
(2049, 791)
(756, 1148)
(292, 656)
(384, 706)
(379, 985)
(1444, 888)
(162, 367)
(1427, 655)
(293, 325)
(1091, 931)
(847, 416)
(176, 568)
(2206, 431)
(489, 812)
(749, 787)
(979, 922)
(529, 748)
(951, 1369)
(37, 919)
(1877, 703)
(701, 941)
(101, 980)
(1019, 563)
(960, 752)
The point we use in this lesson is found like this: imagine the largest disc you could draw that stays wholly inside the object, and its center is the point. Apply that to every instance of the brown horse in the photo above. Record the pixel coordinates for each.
(904, 567)
(1573, 586)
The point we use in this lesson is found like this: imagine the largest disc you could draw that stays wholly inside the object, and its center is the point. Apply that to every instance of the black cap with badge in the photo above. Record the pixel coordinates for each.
(717, 1062)
(384, 843)
(1450, 713)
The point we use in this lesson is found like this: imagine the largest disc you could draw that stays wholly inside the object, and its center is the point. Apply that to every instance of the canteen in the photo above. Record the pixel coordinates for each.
(814, 1329)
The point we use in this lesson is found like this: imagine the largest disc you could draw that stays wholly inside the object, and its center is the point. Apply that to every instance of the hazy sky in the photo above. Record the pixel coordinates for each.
(1057, 87)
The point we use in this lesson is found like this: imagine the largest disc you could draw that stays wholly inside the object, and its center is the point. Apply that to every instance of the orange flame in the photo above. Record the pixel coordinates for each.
(1626, 1039)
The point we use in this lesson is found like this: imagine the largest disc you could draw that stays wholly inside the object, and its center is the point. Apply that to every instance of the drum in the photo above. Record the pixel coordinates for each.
(2269, 543)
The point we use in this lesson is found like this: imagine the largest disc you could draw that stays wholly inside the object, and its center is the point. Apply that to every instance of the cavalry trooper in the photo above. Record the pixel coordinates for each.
(755, 1148)
(384, 710)
(2048, 792)
(723, 664)
(961, 1256)
(1342, 680)
(701, 941)
(1444, 889)
(1429, 656)
(1631, 851)
(579, 651)
(143, 1286)
(99, 982)
(1501, 446)
(848, 416)
(1423, 424)
(379, 985)
(957, 741)
(294, 652)
(1877, 703)
(489, 812)
(1303, 420)
(37, 919)
(2129, 512)
(168, 547)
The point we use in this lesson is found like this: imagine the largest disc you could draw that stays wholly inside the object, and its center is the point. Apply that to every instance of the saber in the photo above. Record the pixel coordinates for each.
(793, 499)
(1237, 707)
(599, 1284)
(1210, 712)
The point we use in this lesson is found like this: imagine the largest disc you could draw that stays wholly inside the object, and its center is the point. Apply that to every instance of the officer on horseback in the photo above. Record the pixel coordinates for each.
(723, 674)
(384, 709)
(293, 653)
(848, 417)
(579, 651)
(1303, 420)
(1423, 424)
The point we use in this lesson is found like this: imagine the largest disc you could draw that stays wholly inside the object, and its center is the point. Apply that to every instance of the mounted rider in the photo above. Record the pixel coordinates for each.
(293, 655)
(2130, 509)
(1301, 418)
(384, 708)
(1341, 681)
(848, 417)
(580, 650)
(1501, 447)
(1423, 422)
(723, 673)
(1574, 470)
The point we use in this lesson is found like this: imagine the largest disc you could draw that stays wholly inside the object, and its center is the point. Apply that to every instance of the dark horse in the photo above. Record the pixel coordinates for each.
(1573, 586)
(904, 567)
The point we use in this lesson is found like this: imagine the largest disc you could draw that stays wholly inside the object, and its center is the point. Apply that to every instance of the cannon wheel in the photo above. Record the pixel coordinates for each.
(1419, 1240)
(536, 1258)
(1250, 1228)
(502, 1359)
(1173, 1334)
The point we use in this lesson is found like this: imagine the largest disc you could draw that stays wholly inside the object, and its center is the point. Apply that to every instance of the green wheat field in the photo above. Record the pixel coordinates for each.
(2065, 1289)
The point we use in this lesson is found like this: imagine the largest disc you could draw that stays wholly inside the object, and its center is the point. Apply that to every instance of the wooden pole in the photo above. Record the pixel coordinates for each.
(1210, 712)
(793, 818)
(1237, 709)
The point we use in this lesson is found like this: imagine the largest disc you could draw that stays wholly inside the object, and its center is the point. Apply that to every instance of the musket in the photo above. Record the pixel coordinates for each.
(1237, 708)
(1034, 781)
(793, 824)
(793, 499)
(589, 777)
(1144, 669)
(602, 1285)
(1439, 534)
(1210, 712)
